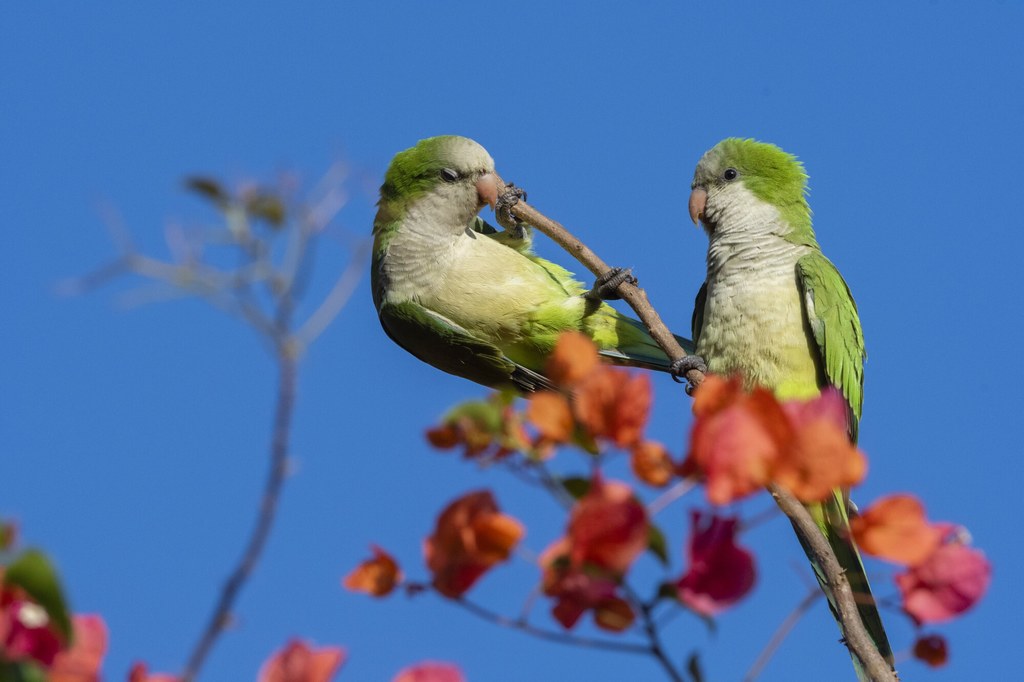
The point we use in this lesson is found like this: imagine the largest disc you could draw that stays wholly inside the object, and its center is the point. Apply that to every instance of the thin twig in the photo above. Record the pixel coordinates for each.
(678, 490)
(782, 632)
(854, 633)
(221, 617)
(630, 293)
(550, 635)
(335, 300)
(655, 648)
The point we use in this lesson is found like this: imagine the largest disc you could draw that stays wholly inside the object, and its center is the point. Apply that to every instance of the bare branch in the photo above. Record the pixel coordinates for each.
(855, 635)
(335, 300)
(221, 616)
(631, 293)
(782, 632)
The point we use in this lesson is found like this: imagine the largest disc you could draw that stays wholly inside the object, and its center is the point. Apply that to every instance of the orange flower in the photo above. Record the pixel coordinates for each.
(743, 441)
(430, 671)
(484, 428)
(651, 463)
(573, 358)
(551, 414)
(298, 662)
(931, 649)
(614, 404)
(608, 527)
(471, 537)
(81, 663)
(376, 576)
(895, 528)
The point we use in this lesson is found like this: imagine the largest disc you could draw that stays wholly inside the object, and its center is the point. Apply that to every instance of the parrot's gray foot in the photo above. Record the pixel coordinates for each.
(503, 210)
(685, 364)
(606, 287)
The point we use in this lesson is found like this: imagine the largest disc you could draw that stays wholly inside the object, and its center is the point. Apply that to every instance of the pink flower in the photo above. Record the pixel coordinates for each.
(946, 584)
(720, 572)
(430, 671)
(298, 662)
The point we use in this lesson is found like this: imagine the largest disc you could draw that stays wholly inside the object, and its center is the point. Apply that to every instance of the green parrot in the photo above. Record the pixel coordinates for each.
(775, 310)
(472, 300)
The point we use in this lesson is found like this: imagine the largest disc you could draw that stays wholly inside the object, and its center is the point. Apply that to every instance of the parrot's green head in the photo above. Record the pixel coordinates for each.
(455, 174)
(738, 183)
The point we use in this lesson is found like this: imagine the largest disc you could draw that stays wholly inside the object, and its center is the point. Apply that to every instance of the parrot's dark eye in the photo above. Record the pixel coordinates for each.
(730, 174)
(448, 175)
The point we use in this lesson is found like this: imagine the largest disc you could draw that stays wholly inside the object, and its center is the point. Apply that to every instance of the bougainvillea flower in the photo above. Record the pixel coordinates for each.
(81, 663)
(484, 428)
(821, 457)
(298, 662)
(742, 441)
(736, 440)
(719, 572)
(377, 576)
(430, 671)
(140, 673)
(895, 528)
(932, 649)
(608, 527)
(651, 463)
(471, 536)
(613, 404)
(578, 589)
(946, 584)
(26, 631)
(551, 414)
(573, 358)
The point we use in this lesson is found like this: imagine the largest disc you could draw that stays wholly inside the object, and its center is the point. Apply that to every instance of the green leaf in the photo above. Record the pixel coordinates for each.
(208, 188)
(577, 486)
(34, 573)
(656, 544)
(21, 671)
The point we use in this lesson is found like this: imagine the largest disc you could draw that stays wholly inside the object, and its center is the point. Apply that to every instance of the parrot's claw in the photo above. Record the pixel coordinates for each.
(503, 210)
(606, 287)
(681, 367)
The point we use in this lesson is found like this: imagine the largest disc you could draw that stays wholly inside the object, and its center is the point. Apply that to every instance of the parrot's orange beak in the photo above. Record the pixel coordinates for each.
(487, 189)
(698, 199)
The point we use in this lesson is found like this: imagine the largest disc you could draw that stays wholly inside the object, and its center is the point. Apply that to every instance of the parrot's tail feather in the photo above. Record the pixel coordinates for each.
(831, 517)
(636, 348)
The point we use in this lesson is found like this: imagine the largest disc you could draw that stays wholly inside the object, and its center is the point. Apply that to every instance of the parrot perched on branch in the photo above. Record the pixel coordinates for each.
(472, 300)
(775, 310)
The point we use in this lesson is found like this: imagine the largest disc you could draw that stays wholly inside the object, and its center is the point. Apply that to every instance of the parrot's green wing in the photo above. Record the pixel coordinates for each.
(697, 321)
(831, 314)
(440, 342)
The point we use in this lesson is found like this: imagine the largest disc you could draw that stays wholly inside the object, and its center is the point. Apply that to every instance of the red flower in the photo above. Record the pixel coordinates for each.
(430, 671)
(946, 584)
(931, 649)
(573, 359)
(720, 572)
(26, 631)
(608, 527)
(81, 663)
(471, 537)
(376, 576)
(298, 662)
(577, 590)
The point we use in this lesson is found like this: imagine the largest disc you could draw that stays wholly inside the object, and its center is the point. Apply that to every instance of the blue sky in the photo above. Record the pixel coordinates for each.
(132, 442)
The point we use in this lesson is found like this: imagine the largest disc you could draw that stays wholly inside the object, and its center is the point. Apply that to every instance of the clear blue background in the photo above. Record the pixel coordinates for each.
(132, 444)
